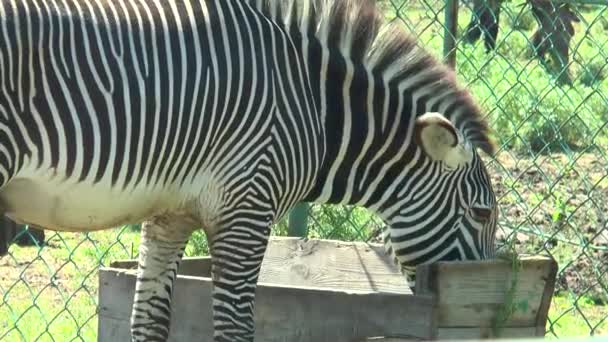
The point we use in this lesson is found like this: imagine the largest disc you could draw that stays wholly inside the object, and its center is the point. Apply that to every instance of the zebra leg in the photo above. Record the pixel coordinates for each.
(237, 254)
(160, 252)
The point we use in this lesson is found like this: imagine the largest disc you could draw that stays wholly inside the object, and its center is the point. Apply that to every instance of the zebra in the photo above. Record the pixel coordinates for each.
(221, 115)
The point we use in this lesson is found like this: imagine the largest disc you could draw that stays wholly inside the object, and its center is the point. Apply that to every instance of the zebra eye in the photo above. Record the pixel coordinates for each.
(481, 214)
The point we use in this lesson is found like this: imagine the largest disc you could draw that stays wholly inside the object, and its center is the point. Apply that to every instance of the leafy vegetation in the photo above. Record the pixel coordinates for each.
(527, 108)
(53, 296)
(556, 201)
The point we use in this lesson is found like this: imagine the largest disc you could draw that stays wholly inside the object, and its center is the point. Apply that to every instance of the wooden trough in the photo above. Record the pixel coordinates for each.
(322, 290)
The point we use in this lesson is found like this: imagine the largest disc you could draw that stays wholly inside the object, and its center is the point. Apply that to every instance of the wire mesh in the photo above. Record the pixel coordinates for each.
(538, 68)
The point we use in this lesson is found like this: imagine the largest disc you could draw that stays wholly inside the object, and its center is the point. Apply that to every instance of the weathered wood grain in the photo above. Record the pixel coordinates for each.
(322, 290)
(545, 302)
(470, 294)
(331, 264)
(314, 263)
(475, 333)
(465, 334)
(283, 313)
(191, 266)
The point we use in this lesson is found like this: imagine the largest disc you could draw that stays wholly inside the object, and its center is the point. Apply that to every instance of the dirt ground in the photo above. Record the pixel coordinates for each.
(558, 204)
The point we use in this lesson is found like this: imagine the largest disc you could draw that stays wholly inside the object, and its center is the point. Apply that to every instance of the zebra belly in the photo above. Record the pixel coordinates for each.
(69, 206)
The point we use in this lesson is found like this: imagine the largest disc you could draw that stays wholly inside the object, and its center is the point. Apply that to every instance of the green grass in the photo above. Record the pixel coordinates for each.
(50, 294)
(570, 316)
(526, 107)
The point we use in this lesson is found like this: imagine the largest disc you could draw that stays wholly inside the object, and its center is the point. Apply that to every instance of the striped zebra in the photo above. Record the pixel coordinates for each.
(223, 114)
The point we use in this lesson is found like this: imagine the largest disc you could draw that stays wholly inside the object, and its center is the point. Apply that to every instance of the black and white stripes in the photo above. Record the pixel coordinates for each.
(223, 114)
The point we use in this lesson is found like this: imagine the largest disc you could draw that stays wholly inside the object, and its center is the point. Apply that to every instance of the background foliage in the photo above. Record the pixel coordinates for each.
(550, 175)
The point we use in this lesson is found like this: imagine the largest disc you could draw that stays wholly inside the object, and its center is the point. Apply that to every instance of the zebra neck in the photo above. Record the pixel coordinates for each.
(370, 80)
(368, 123)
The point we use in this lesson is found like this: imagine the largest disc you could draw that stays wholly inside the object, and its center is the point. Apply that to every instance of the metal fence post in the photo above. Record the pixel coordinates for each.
(298, 220)
(450, 32)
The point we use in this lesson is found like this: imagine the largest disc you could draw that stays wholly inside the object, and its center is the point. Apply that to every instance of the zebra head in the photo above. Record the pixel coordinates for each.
(445, 207)
(402, 136)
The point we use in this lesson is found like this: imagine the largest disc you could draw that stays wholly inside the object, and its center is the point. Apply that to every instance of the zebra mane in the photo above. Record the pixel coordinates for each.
(357, 29)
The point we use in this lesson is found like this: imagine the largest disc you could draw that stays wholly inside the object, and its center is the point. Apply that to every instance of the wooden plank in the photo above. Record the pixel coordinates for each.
(470, 294)
(315, 263)
(469, 334)
(192, 266)
(282, 313)
(392, 339)
(338, 290)
(483, 333)
(331, 264)
(545, 302)
(510, 339)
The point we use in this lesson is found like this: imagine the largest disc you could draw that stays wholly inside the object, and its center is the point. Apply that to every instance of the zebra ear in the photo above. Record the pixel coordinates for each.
(439, 140)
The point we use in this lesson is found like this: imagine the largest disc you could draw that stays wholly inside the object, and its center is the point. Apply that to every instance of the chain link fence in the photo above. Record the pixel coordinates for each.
(538, 68)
